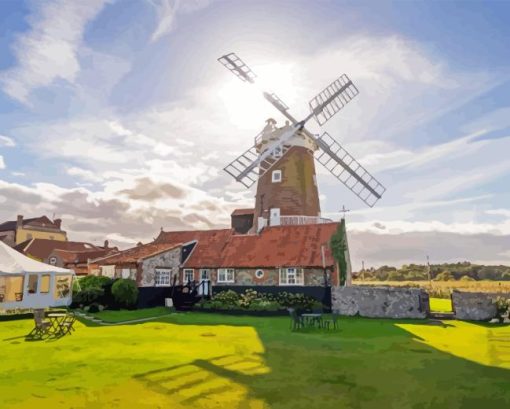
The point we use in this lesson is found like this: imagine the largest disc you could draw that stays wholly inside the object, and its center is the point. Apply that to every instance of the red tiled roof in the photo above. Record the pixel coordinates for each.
(134, 254)
(242, 212)
(42, 221)
(77, 257)
(42, 248)
(209, 247)
(278, 246)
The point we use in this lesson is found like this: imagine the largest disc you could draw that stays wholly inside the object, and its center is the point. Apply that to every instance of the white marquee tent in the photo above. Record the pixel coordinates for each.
(26, 283)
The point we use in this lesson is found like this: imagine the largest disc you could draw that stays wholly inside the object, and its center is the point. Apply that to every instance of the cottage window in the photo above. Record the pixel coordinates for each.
(277, 152)
(226, 275)
(162, 277)
(188, 275)
(204, 274)
(53, 261)
(291, 276)
(276, 176)
(259, 273)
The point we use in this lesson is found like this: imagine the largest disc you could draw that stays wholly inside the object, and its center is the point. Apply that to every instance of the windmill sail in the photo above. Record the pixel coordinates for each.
(348, 170)
(237, 66)
(250, 165)
(332, 99)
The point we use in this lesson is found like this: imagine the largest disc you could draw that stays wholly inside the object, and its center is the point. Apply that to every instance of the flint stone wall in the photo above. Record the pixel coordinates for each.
(380, 302)
(475, 306)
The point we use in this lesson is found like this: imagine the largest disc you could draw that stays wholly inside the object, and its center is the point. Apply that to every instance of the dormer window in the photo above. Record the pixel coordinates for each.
(276, 176)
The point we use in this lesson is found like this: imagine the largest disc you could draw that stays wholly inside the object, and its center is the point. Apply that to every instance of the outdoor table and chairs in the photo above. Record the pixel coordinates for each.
(312, 320)
(54, 325)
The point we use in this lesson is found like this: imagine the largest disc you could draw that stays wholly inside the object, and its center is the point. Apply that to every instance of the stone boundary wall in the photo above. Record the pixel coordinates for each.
(380, 302)
(475, 306)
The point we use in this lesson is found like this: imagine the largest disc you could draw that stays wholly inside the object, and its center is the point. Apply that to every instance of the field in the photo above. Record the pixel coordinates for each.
(207, 361)
(442, 289)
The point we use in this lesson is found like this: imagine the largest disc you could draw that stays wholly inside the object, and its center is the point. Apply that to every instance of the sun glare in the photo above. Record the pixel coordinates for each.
(245, 104)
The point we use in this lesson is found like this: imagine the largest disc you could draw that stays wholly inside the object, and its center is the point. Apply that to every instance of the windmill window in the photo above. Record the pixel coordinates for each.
(276, 176)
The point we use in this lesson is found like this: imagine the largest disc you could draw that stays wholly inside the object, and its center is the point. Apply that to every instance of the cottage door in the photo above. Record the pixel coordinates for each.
(205, 282)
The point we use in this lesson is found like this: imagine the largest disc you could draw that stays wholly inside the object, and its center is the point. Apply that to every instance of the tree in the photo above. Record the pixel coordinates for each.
(125, 292)
(338, 245)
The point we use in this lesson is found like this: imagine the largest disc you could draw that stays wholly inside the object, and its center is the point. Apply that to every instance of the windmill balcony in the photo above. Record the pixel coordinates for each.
(297, 220)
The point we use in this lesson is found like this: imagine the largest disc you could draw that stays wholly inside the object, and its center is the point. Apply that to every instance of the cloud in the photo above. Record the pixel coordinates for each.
(7, 142)
(167, 10)
(49, 50)
(2, 163)
(84, 174)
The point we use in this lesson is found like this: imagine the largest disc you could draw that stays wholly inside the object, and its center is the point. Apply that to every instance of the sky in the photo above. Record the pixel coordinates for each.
(116, 116)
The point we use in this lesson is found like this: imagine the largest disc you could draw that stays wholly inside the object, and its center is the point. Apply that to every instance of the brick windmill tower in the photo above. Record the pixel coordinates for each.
(282, 159)
(288, 192)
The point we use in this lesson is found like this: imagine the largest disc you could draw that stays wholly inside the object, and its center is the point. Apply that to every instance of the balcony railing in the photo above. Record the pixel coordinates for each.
(297, 220)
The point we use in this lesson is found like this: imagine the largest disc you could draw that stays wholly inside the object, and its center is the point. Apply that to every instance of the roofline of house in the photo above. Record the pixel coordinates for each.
(160, 251)
(141, 258)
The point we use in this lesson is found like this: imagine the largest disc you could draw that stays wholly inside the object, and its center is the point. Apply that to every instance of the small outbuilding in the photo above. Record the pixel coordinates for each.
(26, 283)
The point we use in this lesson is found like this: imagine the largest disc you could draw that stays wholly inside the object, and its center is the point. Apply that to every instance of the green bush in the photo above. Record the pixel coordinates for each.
(228, 297)
(444, 276)
(264, 305)
(125, 292)
(92, 281)
(88, 296)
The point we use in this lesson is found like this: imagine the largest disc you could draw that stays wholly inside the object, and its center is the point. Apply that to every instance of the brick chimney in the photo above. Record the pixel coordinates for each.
(106, 244)
(19, 221)
(58, 223)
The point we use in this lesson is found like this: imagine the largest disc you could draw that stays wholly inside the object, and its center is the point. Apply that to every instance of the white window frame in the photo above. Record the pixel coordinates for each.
(162, 277)
(291, 276)
(276, 176)
(277, 152)
(257, 271)
(207, 273)
(186, 271)
(52, 261)
(226, 272)
(125, 273)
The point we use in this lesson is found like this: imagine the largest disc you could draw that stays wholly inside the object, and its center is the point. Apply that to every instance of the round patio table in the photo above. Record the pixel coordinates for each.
(313, 318)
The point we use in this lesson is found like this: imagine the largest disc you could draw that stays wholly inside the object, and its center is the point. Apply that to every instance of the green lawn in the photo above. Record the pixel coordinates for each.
(441, 304)
(204, 361)
(128, 315)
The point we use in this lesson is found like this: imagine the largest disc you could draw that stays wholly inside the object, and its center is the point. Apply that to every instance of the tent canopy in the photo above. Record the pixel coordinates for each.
(12, 262)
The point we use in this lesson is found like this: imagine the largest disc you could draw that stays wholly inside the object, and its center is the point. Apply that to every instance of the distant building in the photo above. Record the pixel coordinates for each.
(17, 231)
(68, 254)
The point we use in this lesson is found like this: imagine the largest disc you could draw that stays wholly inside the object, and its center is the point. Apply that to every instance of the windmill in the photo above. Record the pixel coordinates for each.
(293, 147)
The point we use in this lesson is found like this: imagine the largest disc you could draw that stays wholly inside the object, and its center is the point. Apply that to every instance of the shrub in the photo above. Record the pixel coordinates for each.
(88, 296)
(444, 276)
(503, 307)
(248, 298)
(93, 307)
(92, 281)
(467, 278)
(125, 292)
(264, 305)
(229, 298)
